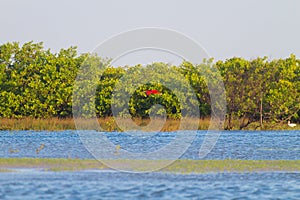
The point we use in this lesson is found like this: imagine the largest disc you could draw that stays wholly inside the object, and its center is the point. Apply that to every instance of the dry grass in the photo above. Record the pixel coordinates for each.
(36, 124)
(107, 124)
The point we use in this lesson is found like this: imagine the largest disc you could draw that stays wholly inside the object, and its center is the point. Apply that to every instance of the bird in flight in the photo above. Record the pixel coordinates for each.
(150, 92)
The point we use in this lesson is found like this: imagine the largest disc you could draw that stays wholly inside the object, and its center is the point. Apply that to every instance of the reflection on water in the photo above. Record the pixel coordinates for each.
(233, 145)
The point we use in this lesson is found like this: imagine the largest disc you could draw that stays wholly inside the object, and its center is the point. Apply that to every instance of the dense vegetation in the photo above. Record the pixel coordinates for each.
(37, 83)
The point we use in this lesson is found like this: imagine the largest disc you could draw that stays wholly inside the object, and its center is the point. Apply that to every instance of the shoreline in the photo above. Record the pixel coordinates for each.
(179, 166)
(109, 124)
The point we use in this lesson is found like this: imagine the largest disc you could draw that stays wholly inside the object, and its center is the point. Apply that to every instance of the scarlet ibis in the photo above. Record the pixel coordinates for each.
(149, 92)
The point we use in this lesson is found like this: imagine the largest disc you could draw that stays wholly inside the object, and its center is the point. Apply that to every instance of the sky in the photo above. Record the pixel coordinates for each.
(243, 28)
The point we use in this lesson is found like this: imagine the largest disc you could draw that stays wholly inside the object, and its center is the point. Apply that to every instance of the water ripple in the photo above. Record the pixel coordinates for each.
(250, 145)
(117, 185)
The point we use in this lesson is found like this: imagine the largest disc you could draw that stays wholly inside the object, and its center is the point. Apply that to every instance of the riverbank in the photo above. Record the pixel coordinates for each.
(179, 166)
(109, 124)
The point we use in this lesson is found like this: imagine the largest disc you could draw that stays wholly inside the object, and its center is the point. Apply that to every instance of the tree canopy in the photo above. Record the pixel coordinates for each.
(34, 82)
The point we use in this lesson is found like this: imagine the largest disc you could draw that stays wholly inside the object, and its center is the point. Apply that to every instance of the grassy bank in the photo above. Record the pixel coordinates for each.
(109, 124)
(179, 166)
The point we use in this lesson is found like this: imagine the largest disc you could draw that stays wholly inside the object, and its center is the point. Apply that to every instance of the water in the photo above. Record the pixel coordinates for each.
(116, 185)
(109, 184)
(248, 145)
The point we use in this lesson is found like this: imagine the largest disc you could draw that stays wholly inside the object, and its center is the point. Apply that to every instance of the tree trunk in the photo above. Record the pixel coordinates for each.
(261, 111)
(229, 122)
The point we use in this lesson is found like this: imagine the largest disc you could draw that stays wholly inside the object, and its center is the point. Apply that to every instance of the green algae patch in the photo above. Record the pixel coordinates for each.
(6, 170)
(204, 166)
(52, 164)
(179, 166)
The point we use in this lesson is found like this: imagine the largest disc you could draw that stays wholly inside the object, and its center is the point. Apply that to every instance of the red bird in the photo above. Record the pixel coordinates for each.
(149, 92)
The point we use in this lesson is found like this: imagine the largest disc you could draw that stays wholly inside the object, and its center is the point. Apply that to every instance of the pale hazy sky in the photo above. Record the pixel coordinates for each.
(226, 28)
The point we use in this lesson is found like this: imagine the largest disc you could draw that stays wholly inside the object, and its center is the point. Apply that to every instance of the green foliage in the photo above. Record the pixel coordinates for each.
(37, 83)
(258, 87)
(105, 89)
(283, 96)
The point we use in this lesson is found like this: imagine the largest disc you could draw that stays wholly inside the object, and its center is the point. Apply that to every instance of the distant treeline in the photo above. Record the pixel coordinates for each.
(37, 83)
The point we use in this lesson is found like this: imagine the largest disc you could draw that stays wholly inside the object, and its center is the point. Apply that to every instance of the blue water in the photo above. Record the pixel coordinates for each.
(117, 185)
(251, 145)
(109, 184)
